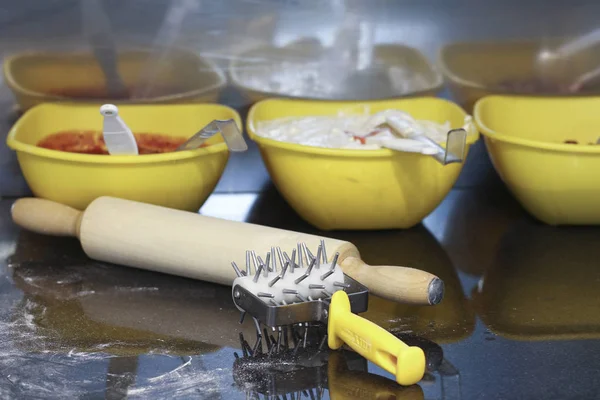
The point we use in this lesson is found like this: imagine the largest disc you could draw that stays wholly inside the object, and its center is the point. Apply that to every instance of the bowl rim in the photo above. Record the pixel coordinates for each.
(456, 79)
(357, 153)
(233, 69)
(17, 87)
(18, 146)
(490, 133)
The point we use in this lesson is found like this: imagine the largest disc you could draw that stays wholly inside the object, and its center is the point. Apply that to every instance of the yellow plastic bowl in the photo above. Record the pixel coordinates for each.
(356, 189)
(253, 67)
(557, 183)
(184, 76)
(181, 180)
(473, 69)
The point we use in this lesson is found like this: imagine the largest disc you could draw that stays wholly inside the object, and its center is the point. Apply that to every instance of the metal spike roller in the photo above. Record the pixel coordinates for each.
(312, 291)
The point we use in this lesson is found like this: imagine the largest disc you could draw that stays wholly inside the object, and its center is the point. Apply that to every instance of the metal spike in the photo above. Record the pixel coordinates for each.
(274, 280)
(278, 338)
(248, 263)
(310, 298)
(297, 346)
(300, 297)
(300, 258)
(294, 336)
(242, 316)
(263, 294)
(289, 291)
(293, 262)
(273, 259)
(279, 255)
(310, 254)
(257, 275)
(236, 269)
(311, 266)
(341, 284)
(244, 345)
(307, 273)
(257, 346)
(283, 303)
(326, 275)
(284, 269)
(318, 258)
(322, 344)
(305, 335)
(326, 293)
(286, 343)
(323, 252)
(304, 250)
(273, 302)
(303, 277)
(254, 260)
(313, 286)
(272, 348)
(263, 267)
(266, 263)
(334, 261)
(257, 326)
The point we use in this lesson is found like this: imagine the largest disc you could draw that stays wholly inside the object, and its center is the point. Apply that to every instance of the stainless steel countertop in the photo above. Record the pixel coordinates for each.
(519, 321)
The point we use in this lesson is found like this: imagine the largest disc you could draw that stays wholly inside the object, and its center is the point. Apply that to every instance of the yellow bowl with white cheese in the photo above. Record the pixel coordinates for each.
(357, 189)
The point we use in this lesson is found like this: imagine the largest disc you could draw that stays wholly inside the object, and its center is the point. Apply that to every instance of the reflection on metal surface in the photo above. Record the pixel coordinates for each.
(120, 376)
(441, 374)
(470, 224)
(543, 284)
(301, 371)
(310, 371)
(72, 303)
(232, 207)
(451, 320)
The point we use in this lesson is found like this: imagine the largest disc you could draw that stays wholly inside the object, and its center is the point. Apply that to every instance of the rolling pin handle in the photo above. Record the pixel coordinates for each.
(46, 217)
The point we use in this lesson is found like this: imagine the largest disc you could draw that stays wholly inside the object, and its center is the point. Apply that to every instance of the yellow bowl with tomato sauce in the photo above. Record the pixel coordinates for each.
(181, 180)
(344, 189)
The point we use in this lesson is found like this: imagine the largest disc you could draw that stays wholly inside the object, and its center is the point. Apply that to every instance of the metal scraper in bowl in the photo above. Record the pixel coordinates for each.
(228, 129)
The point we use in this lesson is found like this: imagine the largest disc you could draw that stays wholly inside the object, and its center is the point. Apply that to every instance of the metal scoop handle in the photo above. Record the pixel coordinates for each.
(455, 146)
(228, 128)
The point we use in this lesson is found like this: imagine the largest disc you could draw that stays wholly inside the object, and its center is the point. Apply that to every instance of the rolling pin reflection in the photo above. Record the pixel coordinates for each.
(92, 304)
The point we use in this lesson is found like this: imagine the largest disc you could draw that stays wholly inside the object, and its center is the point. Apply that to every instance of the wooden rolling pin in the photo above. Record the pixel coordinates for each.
(187, 244)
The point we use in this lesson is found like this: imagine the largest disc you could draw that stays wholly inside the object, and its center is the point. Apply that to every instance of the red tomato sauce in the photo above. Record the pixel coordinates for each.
(92, 142)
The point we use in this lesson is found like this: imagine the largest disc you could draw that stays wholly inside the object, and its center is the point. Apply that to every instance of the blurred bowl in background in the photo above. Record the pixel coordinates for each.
(305, 70)
(57, 75)
(473, 70)
(181, 180)
(556, 182)
(357, 189)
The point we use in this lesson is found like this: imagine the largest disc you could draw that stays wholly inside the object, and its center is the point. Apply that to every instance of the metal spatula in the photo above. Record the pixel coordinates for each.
(228, 128)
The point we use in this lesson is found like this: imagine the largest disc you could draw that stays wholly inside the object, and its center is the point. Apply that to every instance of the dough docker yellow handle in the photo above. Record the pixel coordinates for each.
(371, 341)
